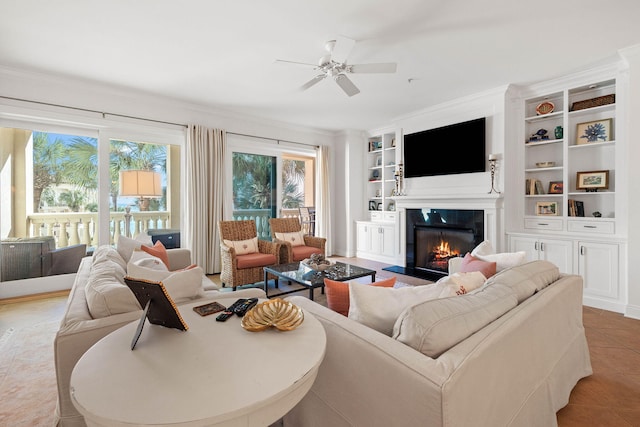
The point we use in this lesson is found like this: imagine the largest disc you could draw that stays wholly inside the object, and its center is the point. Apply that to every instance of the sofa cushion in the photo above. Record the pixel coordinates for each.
(338, 293)
(432, 327)
(106, 252)
(243, 247)
(379, 307)
(471, 263)
(527, 279)
(181, 285)
(126, 245)
(105, 290)
(296, 238)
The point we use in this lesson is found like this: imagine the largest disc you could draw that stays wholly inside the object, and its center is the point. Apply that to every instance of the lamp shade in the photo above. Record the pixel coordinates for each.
(139, 183)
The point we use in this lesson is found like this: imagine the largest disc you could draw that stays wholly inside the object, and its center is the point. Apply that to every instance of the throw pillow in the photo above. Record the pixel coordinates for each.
(338, 293)
(157, 250)
(505, 260)
(470, 263)
(484, 248)
(296, 238)
(181, 285)
(378, 307)
(127, 245)
(463, 283)
(144, 259)
(243, 247)
(108, 253)
(433, 327)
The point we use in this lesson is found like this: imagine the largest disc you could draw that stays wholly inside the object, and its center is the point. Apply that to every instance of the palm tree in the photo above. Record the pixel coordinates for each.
(48, 164)
(293, 183)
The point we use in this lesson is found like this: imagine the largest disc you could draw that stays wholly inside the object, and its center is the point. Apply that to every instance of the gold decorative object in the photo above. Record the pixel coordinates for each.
(277, 312)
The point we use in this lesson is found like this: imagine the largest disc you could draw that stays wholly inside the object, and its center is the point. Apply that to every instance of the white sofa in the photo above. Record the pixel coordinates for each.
(79, 330)
(517, 370)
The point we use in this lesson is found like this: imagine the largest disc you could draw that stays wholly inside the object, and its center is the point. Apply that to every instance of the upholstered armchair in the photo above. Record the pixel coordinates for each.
(296, 246)
(243, 255)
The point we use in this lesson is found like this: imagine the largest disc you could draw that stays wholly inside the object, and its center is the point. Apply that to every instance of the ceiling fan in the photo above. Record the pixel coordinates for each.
(334, 64)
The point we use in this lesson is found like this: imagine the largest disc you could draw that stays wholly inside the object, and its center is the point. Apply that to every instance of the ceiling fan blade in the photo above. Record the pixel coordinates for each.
(283, 61)
(389, 67)
(313, 81)
(347, 85)
(342, 49)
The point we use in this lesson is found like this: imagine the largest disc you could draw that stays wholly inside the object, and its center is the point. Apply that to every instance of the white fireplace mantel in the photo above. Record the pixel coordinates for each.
(490, 204)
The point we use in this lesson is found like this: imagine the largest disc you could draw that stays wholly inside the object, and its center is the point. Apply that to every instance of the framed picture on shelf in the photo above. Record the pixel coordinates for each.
(393, 142)
(380, 206)
(595, 131)
(592, 181)
(547, 208)
(375, 145)
(378, 160)
(556, 187)
(392, 206)
(372, 205)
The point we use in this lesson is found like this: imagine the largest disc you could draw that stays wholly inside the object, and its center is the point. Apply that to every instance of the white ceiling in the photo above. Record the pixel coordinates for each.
(221, 53)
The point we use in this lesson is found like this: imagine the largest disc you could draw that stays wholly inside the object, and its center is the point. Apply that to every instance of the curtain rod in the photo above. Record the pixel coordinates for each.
(273, 139)
(93, 111)
(148, 120)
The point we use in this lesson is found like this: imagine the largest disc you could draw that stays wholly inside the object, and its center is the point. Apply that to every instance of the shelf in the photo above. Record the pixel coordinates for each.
(591, 193)
(592, 110)
(555, 168)
(539, 118)
(592, 145)
(537, 196)
(545, 142)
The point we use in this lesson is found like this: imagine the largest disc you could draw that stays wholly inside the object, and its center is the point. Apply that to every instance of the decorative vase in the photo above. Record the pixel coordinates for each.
(558, 132)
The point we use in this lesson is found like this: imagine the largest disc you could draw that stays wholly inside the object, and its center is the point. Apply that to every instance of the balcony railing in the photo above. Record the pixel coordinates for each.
(261, 217)
(71, 228)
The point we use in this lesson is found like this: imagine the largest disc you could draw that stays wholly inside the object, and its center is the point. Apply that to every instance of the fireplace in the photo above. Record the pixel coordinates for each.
(435, 235)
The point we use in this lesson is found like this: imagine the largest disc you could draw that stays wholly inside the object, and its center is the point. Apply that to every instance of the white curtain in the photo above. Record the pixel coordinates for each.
(204, 195)
(323, 214)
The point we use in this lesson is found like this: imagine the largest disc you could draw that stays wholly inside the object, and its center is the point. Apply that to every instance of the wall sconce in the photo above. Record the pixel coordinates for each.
(493, 159)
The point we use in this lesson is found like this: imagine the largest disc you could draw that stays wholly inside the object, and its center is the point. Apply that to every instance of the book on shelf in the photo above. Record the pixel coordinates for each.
(533, 186)
(576, 208)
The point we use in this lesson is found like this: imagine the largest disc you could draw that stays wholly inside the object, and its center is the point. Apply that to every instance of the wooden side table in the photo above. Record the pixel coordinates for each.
(214, 374)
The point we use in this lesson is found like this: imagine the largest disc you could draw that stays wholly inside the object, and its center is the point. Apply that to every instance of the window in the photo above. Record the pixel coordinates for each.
(52, 190)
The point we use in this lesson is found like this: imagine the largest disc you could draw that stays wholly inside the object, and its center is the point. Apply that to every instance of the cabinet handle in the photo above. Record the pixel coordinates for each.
(544, 224)
(590, 226)
(581, 250)
(542, 246)
(535, 246)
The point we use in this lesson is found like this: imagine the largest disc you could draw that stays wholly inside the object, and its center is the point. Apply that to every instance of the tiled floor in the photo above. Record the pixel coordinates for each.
(610, 397)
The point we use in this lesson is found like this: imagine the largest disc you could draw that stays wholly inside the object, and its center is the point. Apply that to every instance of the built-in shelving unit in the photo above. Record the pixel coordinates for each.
(381, 161)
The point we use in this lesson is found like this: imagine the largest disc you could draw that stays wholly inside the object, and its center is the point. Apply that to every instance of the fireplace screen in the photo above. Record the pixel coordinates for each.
(435, 245)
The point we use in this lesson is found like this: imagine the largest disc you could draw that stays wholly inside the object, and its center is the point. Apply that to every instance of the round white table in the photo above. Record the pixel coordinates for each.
(214, 374)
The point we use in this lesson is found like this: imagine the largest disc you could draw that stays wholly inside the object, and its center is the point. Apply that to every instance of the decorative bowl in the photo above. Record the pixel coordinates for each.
(315, 266)
(276, 313)
(545, 164)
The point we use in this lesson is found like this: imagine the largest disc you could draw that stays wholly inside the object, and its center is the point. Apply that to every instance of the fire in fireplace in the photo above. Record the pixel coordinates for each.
(436, 235)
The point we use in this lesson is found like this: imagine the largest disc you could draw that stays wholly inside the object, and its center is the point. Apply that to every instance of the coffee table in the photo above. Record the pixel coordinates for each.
(304, 275)
(213, 374)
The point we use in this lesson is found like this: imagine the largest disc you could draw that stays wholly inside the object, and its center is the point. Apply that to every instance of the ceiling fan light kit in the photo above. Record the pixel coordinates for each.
(335, 65)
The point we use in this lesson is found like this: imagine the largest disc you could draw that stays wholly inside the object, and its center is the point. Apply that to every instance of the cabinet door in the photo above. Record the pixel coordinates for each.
(363, 242)
(525, 244)
(388, 242)
(558, 252)
(598, 265)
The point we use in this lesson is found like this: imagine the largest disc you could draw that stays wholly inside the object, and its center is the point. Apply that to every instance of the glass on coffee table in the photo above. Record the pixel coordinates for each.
(304, 275)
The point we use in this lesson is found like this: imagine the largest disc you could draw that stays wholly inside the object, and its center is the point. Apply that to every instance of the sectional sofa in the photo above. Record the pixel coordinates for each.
(506, 354)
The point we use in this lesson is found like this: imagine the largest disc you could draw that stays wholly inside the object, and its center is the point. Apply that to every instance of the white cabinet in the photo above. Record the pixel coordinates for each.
(377, 241)
(559, 252)
(598, 265)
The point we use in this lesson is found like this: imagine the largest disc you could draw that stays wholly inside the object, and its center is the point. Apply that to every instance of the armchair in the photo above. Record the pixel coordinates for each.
(243, 255)
(291, 251)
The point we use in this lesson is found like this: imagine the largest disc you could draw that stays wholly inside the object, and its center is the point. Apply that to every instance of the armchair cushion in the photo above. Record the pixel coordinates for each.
(255, 260)
(296, 238)
(302, 252)
(243, 247)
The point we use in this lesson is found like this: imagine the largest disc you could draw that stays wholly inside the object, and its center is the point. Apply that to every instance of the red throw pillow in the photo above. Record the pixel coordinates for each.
(157, 250)
(338, 293)
(471, 264)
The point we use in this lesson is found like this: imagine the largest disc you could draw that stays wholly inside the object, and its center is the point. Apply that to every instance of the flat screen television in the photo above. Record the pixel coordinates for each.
(448, 150)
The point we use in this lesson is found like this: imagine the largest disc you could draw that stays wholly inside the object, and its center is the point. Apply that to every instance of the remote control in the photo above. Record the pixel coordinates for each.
(245, 306)
(229, 311)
